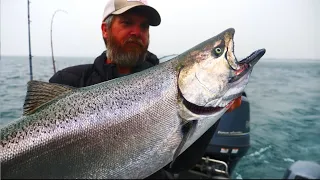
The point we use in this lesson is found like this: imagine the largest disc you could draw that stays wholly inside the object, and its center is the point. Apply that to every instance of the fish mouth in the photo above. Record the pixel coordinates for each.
(247, 64)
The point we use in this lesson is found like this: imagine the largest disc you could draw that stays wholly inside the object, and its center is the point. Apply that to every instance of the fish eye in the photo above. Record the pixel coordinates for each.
(217, 51)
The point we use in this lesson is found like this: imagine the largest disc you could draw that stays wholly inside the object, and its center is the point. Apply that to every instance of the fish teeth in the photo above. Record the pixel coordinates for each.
(218, 103)
(223, 103)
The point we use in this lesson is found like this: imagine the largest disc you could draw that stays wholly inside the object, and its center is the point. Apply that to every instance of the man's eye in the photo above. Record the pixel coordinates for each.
(126, 22)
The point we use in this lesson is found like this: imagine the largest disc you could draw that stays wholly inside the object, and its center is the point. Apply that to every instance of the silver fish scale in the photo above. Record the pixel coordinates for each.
(109, 130)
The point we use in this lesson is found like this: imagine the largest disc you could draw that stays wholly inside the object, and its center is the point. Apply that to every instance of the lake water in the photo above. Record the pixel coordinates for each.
(285, 108)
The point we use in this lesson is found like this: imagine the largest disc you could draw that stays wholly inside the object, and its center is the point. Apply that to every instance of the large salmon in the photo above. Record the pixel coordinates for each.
(129, 127)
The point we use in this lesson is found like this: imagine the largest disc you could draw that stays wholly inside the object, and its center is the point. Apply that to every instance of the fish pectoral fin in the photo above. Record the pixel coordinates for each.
(39, 93)
(187, 130)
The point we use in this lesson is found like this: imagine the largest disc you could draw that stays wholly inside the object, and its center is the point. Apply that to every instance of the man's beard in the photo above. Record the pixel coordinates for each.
(123, 57)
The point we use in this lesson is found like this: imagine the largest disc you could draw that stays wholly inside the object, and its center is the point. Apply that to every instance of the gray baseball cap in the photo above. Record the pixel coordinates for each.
(121, 6)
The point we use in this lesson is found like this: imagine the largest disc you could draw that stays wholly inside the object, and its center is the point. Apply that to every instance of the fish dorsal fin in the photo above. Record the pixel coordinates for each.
(39, 93)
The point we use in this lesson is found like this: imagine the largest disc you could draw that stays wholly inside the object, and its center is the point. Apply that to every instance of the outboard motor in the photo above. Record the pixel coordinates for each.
(228, 145)
(303, 170)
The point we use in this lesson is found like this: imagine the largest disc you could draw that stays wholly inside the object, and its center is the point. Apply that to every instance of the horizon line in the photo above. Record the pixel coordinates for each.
(162, 56)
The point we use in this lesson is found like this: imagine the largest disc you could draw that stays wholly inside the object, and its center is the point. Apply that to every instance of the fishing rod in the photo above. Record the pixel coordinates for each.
(0, 31)
(53, 62)
(30, 56)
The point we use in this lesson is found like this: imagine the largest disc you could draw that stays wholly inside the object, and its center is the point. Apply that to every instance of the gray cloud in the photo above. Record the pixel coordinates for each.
(286, 28)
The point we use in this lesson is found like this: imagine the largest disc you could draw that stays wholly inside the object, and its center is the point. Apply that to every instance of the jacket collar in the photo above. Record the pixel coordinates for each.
(109, 71)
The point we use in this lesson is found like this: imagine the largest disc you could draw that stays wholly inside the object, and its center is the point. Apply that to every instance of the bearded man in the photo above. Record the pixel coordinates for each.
(125, 30)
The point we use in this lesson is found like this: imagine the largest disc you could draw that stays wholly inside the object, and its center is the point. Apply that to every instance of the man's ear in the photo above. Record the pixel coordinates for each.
(104, 30)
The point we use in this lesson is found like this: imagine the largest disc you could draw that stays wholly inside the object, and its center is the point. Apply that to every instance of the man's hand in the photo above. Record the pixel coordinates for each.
(235, 104)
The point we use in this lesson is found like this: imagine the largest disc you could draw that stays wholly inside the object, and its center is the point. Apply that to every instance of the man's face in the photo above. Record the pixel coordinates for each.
(127, 39)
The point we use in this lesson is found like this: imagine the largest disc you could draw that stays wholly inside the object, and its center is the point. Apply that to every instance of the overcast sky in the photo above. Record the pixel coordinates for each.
(286, 28)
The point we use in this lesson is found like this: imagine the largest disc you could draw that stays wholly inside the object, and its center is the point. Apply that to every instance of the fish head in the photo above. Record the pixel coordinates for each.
(211, 77)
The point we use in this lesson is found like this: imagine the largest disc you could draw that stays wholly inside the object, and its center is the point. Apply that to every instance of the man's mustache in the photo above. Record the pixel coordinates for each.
(134, 40)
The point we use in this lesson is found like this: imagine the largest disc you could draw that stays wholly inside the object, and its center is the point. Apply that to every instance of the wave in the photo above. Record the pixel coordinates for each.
(288, 160)
(259, 152)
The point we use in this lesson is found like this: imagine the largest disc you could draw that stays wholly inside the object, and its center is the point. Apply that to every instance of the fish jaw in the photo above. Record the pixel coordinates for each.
(211, 77)
(189, 113)
(239, 79)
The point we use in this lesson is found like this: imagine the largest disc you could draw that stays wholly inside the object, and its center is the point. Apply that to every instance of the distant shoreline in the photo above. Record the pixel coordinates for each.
(164, 56)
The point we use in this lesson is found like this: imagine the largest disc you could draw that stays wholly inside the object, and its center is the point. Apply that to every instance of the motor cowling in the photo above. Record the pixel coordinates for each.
(303, 170)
